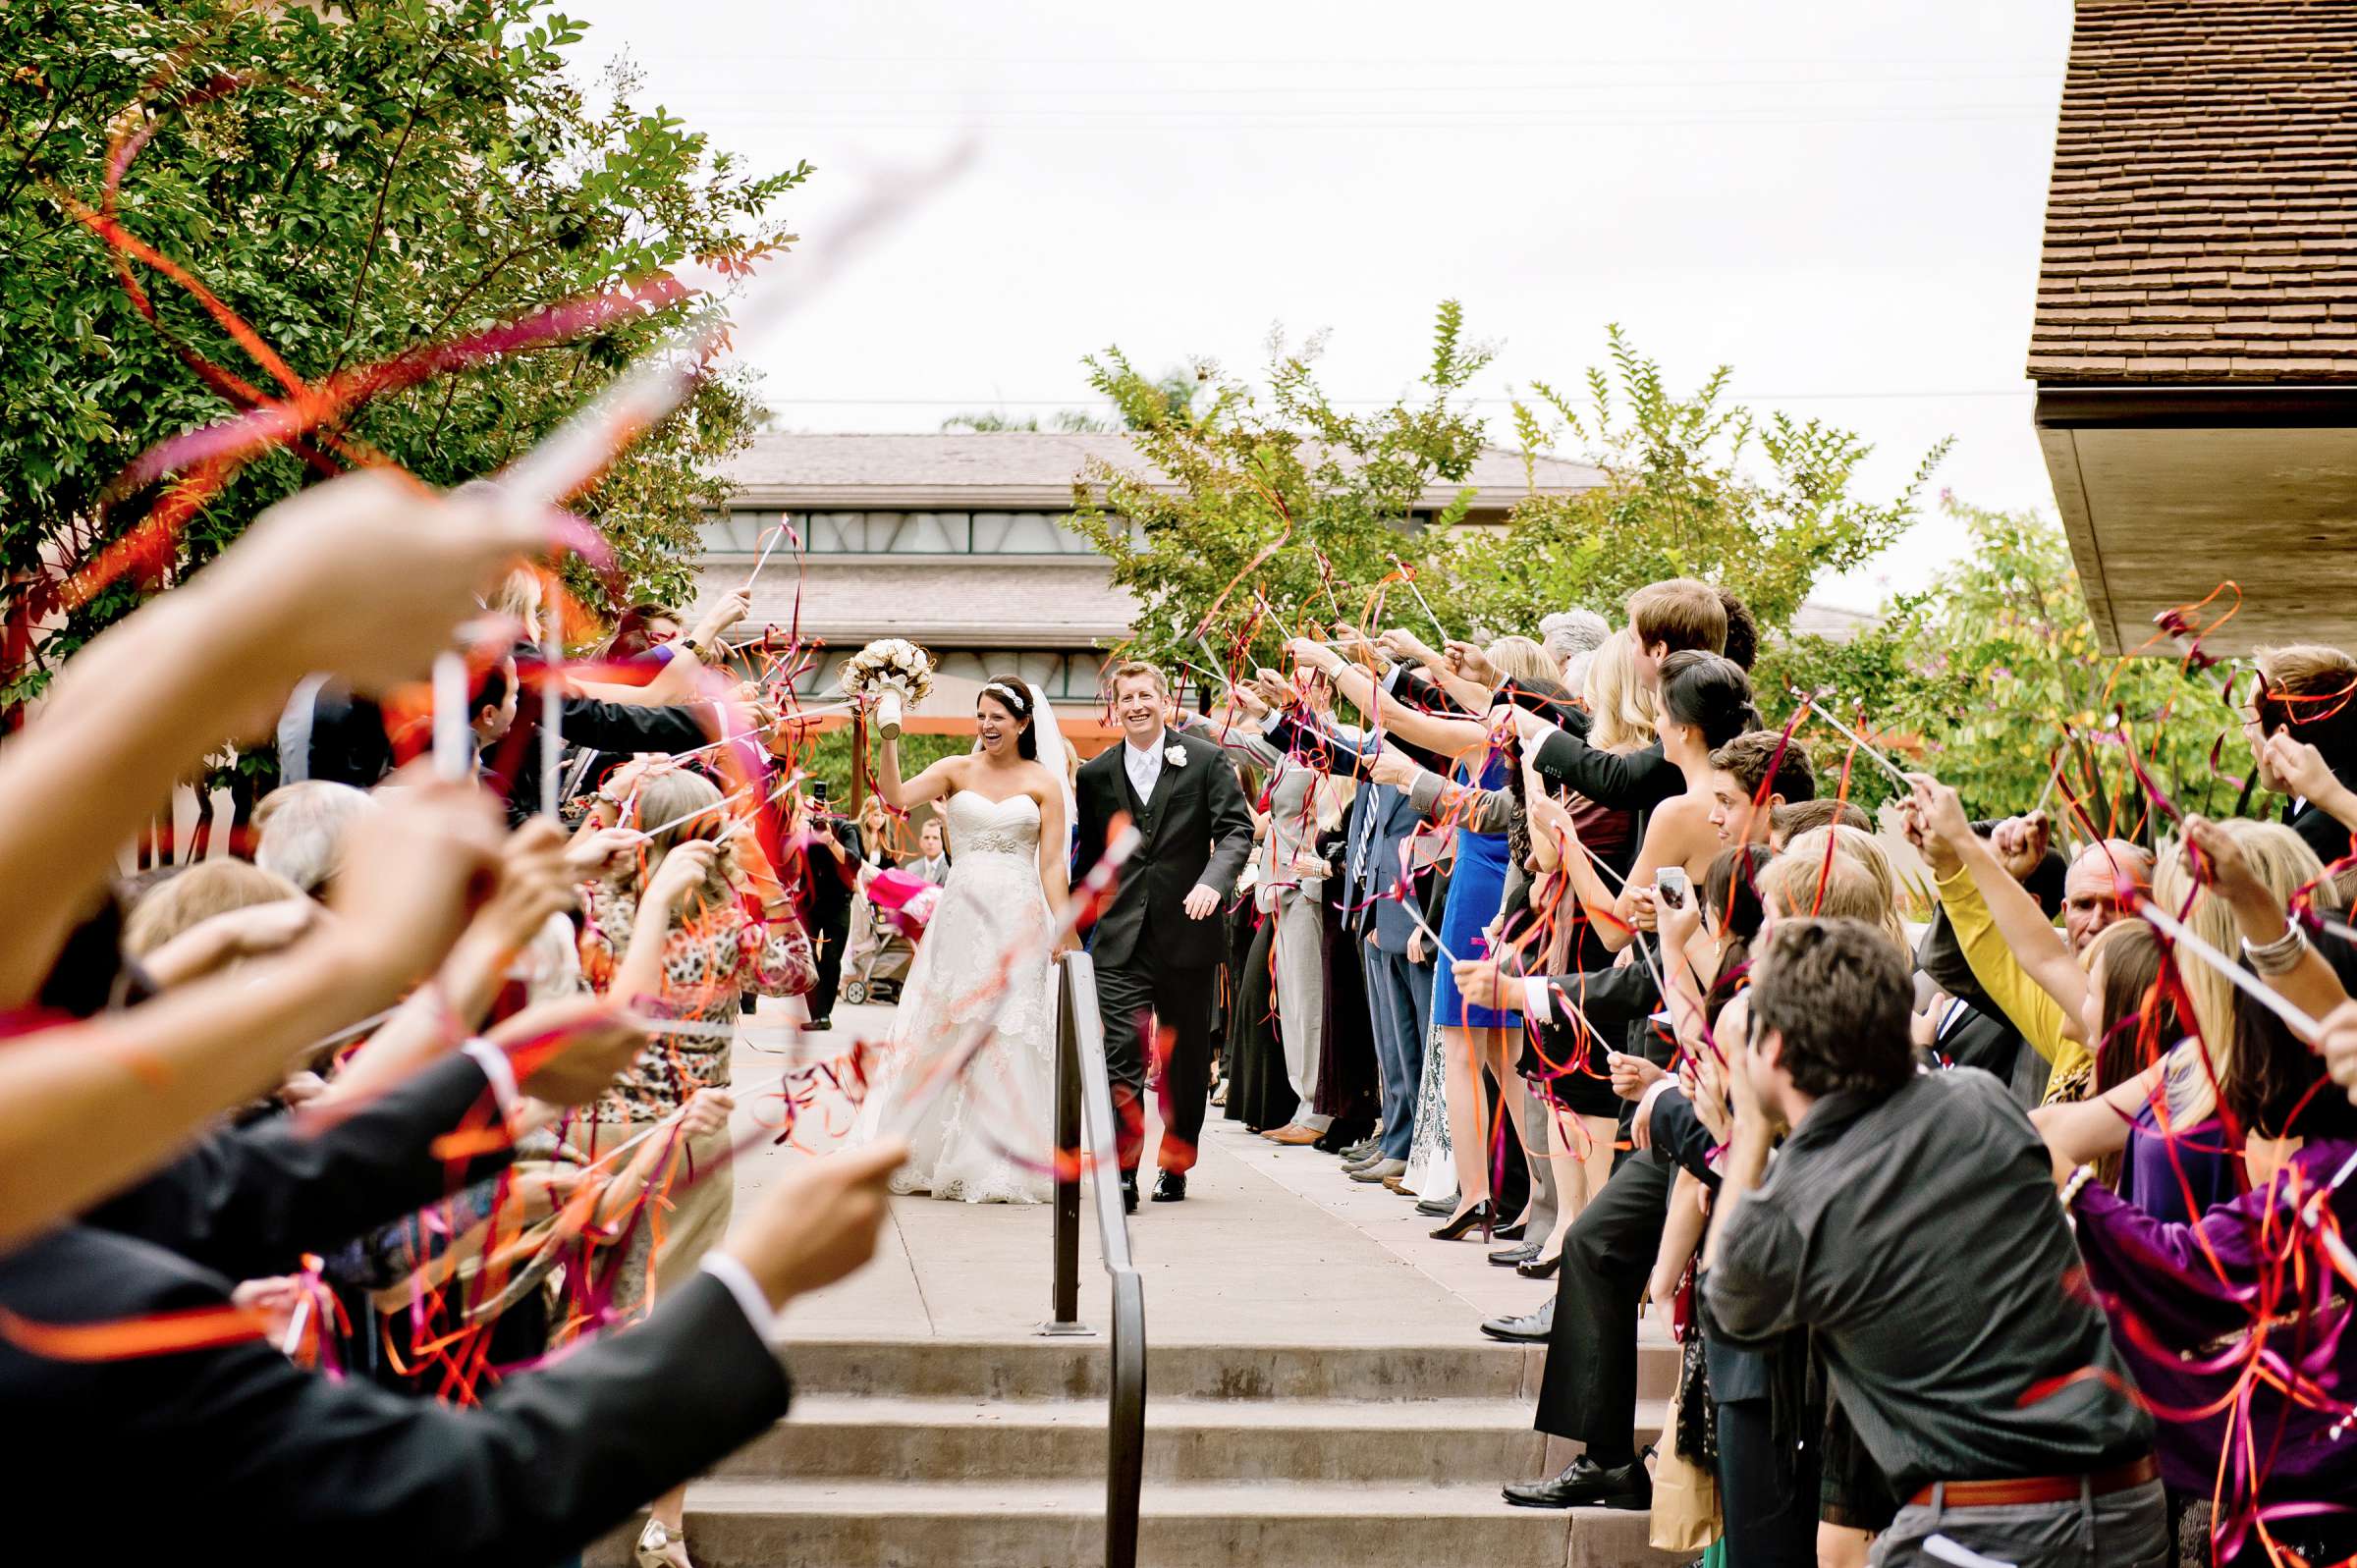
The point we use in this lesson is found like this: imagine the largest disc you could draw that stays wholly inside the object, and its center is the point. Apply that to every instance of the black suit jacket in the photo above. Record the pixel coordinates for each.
(296, 1465)
(1197, 830)
(249, 1201)
(131, 1459)
(1638, 781)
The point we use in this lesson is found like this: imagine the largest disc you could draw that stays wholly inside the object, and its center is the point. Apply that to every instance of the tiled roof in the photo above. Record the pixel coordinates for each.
(2202, 221)
(1018, 468)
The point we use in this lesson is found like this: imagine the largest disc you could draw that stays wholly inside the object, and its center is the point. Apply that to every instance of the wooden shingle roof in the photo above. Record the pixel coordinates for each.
(2202, 221)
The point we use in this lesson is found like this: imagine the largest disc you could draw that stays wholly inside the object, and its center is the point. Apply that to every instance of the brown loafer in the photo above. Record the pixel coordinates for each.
(1295, 1137)
(1398, 1184)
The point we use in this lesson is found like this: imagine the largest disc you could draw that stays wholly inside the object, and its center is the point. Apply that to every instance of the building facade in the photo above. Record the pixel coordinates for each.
(959, 542)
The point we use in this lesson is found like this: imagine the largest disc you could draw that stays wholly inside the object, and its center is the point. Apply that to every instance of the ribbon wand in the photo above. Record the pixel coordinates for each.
(1859, 741)
(1408, 576)
(454, 750)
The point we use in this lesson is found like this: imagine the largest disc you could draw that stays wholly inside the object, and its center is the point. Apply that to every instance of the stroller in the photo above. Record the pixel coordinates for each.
(878, 962)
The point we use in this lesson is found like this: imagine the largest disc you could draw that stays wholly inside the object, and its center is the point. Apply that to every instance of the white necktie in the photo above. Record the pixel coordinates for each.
(1141, 772)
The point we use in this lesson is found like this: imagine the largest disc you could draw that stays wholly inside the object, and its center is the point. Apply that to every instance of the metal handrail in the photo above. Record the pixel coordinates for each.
(1084, 1092)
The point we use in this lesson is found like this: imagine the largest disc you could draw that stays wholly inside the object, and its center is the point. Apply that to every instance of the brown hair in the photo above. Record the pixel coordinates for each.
(2311, 690)
(1751, 756)
(1680, 612)
(1796, 817)
(1140, 670)
(1838, 993)
(207, 888)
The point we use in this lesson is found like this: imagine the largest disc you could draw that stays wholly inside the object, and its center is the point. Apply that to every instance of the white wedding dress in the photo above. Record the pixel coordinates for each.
(988, 1138)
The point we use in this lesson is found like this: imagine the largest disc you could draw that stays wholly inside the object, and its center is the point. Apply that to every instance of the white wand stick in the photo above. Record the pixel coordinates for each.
(2248, 984)
(1861, 743)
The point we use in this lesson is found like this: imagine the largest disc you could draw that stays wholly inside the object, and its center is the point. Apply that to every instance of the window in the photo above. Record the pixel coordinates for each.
(742, 532)
(1066, 674)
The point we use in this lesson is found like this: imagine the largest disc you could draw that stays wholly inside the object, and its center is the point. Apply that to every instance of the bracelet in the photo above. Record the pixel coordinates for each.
(692, 648)
(2078, 1181)
(2279, 956)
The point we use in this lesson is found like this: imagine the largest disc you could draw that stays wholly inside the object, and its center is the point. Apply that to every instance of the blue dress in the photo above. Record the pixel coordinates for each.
(1475, 887)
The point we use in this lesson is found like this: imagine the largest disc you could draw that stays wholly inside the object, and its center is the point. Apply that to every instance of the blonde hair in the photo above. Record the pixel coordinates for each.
(1621, 713)
(181, 902)
(300, 830)
(665, 799)
(521, 597)
(2281, 861)
(1523, 660)
(1852, 883)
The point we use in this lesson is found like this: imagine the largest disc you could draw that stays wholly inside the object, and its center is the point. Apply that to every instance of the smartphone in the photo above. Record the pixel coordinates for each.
(1669, 885)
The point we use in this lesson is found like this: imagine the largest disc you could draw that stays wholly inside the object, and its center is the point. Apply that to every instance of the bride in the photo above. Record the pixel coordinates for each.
(1008, 809)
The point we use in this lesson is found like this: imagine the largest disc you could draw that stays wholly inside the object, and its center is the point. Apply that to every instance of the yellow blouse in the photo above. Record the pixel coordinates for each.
(2036, 1014)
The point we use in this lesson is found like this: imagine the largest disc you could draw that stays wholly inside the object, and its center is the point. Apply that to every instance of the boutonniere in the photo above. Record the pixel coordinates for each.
(1176, 756)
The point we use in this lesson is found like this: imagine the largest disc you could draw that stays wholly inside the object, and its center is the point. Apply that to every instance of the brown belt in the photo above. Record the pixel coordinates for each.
(2041, 1489)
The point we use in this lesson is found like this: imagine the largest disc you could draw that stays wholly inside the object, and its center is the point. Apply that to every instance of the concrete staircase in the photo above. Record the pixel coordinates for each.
(943, 1453)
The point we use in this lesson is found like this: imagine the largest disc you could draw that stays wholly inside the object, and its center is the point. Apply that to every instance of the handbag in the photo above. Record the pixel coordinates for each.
(1685, 1493)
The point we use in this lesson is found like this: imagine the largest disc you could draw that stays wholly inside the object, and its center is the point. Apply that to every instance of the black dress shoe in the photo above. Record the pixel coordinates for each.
(1128, 1192)
(1512, 1232)
(1438, 1207)
(1170, 1187)
(1585, 1483)
(1539, 1269)
(818, 1025)
(1516, 1255)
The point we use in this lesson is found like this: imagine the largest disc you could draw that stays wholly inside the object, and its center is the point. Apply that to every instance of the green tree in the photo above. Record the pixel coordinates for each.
(1246, 513)
(1683, 496)
(353, 185)
(1982, 676)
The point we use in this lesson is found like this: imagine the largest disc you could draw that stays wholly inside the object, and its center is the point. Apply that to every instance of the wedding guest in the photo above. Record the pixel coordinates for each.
(196, 896)
(300, 829)
(2307, 695)
(1963, 1367)
(1664, 618)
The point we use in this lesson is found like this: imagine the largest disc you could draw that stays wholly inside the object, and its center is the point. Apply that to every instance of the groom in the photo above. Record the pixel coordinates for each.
(1157, 942)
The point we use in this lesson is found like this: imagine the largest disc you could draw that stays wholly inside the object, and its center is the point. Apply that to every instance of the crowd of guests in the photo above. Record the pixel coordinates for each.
(339, 1168)
(1985, 1239)
(340, 1171)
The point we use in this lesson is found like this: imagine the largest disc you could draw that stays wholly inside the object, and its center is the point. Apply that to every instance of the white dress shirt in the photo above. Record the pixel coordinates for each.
(1144, 765)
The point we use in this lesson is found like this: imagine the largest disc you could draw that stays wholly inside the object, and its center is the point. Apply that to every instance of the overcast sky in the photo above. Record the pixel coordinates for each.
(1840, 199)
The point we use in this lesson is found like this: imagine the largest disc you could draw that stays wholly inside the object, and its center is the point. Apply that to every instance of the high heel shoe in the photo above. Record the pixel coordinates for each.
(655, 1543)
(1482, 1213)
(1540, 1268)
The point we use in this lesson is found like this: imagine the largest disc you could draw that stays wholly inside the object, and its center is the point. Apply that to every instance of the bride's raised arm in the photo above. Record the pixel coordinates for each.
(934, 783)
(1055, 855)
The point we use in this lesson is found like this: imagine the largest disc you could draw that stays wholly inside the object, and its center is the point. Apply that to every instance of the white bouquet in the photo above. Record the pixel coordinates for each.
(887, 674)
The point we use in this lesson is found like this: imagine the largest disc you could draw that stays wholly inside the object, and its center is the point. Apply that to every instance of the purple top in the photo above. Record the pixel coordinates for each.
(2155, 1178)
(2190, 1305)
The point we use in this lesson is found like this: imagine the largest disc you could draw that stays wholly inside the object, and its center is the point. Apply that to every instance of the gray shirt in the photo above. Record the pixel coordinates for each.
(1919, 1235)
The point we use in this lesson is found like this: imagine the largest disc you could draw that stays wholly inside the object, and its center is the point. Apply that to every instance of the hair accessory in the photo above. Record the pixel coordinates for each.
(1022, 702)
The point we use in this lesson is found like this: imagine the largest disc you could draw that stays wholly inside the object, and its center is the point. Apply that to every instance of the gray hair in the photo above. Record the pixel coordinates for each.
(1571, 638)
(301, 829)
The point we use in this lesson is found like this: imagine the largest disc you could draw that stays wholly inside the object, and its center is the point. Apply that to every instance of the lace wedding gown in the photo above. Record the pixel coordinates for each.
(987, 1139)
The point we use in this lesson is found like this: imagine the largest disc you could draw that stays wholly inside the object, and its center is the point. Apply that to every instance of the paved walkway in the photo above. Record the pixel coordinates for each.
(1272, 1246)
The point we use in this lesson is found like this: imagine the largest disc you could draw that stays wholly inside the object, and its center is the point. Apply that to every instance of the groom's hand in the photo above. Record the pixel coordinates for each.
(1201, 901)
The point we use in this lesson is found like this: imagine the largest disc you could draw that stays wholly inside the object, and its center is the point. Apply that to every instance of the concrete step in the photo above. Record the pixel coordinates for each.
(888, 1524)
(846, 1437)
(1032, 1367)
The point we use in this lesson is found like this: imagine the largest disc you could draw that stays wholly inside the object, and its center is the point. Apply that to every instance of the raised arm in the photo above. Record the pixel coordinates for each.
(362, 577)
(932, 783)
(1442, 736)
(2304, 976)
(2041, 951)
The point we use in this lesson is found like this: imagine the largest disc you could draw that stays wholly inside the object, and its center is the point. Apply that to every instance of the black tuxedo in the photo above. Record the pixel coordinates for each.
(1151, 960)
(235, 1437)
